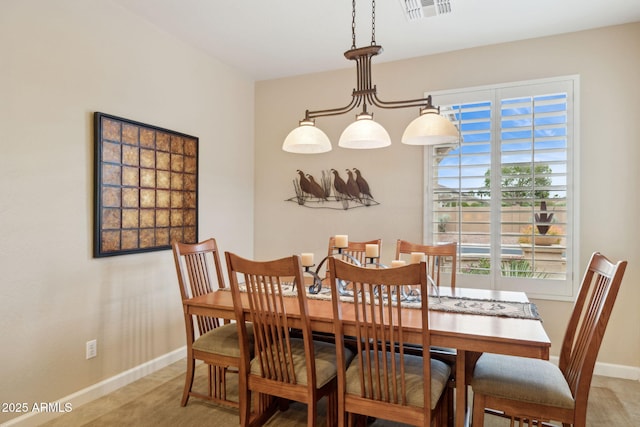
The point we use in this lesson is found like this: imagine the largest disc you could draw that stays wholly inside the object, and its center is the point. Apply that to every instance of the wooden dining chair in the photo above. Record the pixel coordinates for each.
(354, 250)
(383, 381)
(441, 260)
(284, 366)
(535, 390)
(199, 271)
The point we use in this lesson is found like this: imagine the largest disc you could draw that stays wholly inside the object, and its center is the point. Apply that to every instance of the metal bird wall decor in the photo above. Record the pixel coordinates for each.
(331, 191)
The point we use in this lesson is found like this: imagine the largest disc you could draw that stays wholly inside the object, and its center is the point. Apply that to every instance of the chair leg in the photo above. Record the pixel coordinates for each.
(312, 411)
(332, 409)
(478, 410)
(341, 415)
(351, 419)
(188, 381)
(446, 408)
(244, 398)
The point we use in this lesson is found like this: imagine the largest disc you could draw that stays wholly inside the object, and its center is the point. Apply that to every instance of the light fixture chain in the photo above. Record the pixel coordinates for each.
(353, 24)
(373, 22)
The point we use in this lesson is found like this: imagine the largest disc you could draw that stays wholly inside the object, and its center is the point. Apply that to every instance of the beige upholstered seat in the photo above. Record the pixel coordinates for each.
(382, 381)
(413, 379)
(538, 390)
(324, 358)
(198, 268)
(222, 340)
(545, 384)
(297, 369)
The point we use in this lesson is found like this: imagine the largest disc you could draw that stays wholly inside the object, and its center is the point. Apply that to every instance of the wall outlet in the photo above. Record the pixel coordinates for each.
(92, 349)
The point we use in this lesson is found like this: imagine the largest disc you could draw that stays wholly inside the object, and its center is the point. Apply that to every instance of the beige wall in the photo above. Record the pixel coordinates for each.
(59, 62)
(63, 60)
(608, 62)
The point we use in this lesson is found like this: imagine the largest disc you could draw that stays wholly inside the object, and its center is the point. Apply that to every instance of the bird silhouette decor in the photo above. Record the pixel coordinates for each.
(331, 191)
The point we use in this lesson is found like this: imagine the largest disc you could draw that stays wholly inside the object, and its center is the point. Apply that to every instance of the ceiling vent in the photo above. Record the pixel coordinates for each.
(418, 9)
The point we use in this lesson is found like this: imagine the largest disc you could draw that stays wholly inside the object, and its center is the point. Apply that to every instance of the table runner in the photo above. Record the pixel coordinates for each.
(483, 307)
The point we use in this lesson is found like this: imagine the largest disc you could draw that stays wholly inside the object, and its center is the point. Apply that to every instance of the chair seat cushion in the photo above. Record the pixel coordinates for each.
(325, 361)
(522, 379)
(223, 340)
(414, 380)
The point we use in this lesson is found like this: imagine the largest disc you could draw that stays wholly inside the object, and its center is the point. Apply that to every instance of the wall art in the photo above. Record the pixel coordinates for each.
(146, 187)
(331, 190)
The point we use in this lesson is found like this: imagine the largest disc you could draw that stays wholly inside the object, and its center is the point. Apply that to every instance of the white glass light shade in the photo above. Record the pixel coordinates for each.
(364, 133)
(306, 139)
(430, 128)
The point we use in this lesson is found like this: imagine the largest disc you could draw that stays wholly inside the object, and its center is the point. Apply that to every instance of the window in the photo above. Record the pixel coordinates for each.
(507, 192)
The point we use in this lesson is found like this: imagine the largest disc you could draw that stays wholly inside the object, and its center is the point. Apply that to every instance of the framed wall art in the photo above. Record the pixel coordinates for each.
(146, 187)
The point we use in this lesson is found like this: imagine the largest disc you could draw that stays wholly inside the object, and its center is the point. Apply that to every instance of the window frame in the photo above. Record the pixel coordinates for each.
(563, 290)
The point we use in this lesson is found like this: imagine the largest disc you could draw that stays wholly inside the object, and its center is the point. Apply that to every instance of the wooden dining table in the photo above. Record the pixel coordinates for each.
(470, 334)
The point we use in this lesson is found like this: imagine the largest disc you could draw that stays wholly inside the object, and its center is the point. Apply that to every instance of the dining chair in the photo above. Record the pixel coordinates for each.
(199, 270)
(441, 260)
(291, 368)
(535, 390)
(383, 381)
(353, 251)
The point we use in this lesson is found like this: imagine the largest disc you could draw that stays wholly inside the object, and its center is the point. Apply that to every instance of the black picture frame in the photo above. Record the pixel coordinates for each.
(145, 189)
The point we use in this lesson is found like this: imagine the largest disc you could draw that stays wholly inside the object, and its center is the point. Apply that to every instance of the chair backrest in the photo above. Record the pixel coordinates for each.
(376, 324)
(355, 250)
(587, 325)
(269, 310)
(199, 271)
(439, 258)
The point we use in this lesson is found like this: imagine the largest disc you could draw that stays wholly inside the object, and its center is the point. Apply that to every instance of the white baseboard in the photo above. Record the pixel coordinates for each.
(611, 370)
(100, 389)
(617, 371)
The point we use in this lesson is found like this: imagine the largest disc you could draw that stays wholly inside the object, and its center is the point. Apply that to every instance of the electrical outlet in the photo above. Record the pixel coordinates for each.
(92, 349)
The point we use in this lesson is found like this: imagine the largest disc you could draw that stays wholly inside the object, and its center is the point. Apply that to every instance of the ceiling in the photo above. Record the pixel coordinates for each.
(268, 39)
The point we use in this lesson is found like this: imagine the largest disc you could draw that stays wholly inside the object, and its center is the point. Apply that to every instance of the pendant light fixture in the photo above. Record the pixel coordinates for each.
(429, 128)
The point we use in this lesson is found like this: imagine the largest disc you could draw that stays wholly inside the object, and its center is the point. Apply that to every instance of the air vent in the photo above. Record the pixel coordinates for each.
(418, 9)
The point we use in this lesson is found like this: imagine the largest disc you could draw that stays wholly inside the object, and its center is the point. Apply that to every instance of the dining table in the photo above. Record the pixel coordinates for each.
(469, 334)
